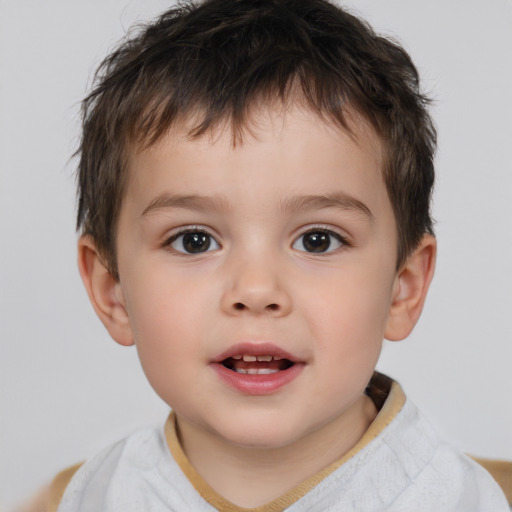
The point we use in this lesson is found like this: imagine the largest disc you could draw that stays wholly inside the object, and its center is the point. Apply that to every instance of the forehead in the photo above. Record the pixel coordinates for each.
(289, 165)
(276, 118)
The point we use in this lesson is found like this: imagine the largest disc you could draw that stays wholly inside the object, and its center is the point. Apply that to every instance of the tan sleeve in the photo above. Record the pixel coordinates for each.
(37, 503)
(501, 471)
(58, 486)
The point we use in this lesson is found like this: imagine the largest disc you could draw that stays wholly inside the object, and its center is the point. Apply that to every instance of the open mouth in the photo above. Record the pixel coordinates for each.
(257, 369)
(256, 365)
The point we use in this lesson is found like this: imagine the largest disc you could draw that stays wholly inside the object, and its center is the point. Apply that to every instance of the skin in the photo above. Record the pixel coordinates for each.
(258, 282)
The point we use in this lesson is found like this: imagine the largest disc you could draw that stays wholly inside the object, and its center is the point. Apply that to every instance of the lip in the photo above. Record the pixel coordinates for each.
(256, 349)
(257, 385)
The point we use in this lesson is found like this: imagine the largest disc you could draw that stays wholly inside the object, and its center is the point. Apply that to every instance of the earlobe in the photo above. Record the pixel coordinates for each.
(410, 289)
(104, 292)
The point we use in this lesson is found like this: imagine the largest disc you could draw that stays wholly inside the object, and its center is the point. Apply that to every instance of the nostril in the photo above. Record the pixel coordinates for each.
(240, 306)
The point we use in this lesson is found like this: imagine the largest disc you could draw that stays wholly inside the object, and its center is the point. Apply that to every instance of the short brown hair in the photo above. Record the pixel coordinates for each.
(218, 59)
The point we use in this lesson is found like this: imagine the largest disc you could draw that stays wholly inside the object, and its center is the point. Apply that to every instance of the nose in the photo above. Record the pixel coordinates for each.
(255, 286)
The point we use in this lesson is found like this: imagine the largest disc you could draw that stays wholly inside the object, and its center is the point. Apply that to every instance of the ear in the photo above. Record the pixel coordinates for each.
(410, 289)
(104, 292)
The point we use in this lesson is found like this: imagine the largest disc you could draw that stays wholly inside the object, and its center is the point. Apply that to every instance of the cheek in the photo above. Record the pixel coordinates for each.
(348, 317)
(164, 319)
(166, 337)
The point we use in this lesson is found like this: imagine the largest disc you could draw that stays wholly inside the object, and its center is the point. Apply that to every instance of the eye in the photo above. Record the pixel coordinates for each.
(319, 241)
(193, 242)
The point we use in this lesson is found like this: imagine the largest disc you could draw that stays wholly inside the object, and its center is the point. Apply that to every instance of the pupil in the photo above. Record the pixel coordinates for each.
(196, 242)
(317, 242)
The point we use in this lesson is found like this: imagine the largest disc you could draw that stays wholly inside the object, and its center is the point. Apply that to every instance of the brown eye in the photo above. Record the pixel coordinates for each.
(318, 241)
(193, 242)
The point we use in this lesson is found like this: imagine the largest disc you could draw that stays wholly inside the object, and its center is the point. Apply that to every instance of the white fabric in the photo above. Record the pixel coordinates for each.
(406, 468)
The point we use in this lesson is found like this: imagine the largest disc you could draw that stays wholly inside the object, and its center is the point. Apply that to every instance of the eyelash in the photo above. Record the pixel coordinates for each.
(208, 239)
(323, 230)
(192, 230)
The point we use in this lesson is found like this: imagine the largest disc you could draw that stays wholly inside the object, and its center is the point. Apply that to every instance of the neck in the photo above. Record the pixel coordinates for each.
(251, 477)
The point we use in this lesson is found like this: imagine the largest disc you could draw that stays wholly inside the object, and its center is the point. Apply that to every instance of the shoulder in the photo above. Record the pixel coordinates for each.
(438, 476)
(59, 485)
(401, 464)
(138, 454)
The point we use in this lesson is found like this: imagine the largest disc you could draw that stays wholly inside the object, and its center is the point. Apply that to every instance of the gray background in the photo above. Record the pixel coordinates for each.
(66, 389)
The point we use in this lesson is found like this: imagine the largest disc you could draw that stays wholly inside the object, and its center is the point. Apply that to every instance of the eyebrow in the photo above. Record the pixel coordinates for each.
(338, 200)
(208, 204)
(294, 204)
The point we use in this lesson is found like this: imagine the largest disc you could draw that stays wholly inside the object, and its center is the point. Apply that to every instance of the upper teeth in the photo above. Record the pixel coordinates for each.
(250, 359)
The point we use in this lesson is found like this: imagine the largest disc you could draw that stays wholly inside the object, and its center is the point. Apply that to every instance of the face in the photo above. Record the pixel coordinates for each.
(258, 279)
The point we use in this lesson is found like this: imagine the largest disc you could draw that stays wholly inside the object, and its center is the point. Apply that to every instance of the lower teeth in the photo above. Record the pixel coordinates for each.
(255, 371)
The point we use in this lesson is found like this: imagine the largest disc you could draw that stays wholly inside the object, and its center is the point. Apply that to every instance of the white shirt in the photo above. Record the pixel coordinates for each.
(405, 468)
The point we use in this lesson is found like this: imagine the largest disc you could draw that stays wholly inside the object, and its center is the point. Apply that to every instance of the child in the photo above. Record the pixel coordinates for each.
(254, 190)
